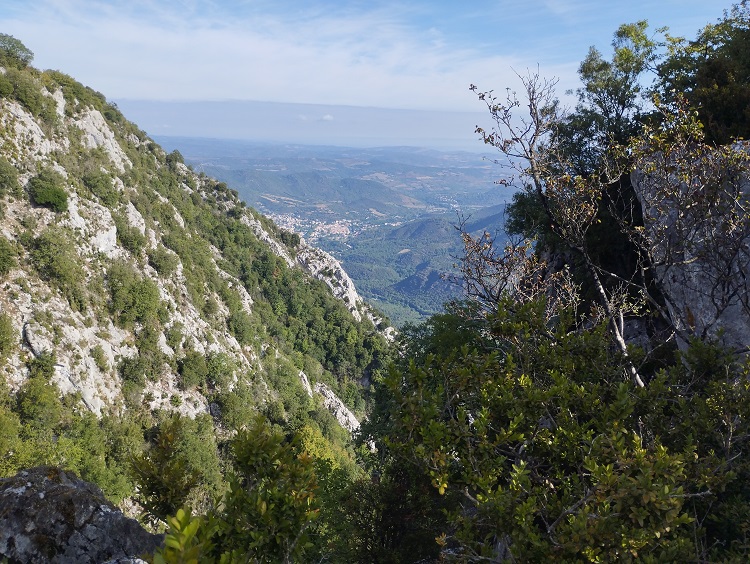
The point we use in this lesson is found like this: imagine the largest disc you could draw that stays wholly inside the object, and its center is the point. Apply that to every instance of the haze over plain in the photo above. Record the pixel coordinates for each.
(326, 72)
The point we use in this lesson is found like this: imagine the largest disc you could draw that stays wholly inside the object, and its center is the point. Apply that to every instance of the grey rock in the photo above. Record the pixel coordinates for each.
(700, 258)
(50, 515)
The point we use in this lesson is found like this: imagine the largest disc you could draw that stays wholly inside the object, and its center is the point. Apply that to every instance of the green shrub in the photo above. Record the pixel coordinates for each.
(132, 298)
(175, 336)
(47, 189)
(38, 401)
(8, 174)
(6, 87)
(97, 353)
(56, 260)
(242, 327)
(28, 91)
(193, 370)
(129, 237)
(163, 261)
(100, 185)
(7, 256)
(8, 336)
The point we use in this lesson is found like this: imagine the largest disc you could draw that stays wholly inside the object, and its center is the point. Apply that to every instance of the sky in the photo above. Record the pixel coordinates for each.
(328, 71)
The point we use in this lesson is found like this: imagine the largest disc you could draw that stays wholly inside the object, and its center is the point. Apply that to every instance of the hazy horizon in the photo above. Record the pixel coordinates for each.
(307, 124)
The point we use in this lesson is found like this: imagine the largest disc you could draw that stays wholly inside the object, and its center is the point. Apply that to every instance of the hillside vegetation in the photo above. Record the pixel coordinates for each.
(147, 315)
(389, 214)
(588, 400)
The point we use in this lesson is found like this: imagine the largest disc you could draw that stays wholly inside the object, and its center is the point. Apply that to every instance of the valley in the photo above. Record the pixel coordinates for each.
(389, 214)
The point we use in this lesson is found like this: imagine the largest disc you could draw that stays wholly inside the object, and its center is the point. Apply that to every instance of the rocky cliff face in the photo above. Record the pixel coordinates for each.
(130, 225)
(698, 238)
(49, 515)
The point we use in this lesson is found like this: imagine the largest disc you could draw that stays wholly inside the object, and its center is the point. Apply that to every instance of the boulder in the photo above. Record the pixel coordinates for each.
(50, 515)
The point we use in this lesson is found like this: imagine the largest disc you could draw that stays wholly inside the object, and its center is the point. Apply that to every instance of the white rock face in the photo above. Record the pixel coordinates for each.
(326, 268)
(278, 249)
(342, 413)
(305, 383)
(98, 134)
(86, 343)
(25, 129)
(135, 219)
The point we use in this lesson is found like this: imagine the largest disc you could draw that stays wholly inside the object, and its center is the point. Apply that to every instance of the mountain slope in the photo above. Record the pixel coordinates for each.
(144, 284)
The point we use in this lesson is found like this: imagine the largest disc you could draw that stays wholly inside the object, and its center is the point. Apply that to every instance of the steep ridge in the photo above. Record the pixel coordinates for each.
(144, 283)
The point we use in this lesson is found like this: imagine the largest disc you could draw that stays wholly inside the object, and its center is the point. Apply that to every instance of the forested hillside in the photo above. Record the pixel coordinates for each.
(147, 315)
(588, 399)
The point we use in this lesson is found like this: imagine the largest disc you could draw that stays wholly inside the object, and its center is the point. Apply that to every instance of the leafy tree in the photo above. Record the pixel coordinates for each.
(101, 186)
(713, 72)
(132, 298)
(543, 452)
(13, 52)
(265, 514)
(193, 370)
(39, 405)
(163, 261)
(163, 478)
(271, 499)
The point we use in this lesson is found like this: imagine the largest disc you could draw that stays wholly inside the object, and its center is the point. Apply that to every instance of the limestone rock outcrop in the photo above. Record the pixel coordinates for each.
(50, 515)
(337, 408)
(699, 247)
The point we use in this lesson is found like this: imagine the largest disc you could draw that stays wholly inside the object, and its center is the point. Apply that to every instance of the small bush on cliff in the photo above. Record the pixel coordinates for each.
(7, 256)
(47, 189)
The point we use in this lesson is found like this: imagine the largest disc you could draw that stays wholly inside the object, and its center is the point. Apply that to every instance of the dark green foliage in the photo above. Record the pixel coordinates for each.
(14, 53)
(129, 237)
(7, 256)
(132, 298)
(193, 370)
(242, 327)
(24, 87)
(100, 184)
(713, 72)
(147, 364)
(8, 336)
(77, 96)
(237, 406)
(163, 261)
(39, 405)
(173, 158)
(550, 454)
(47, 189)
(8, 177)
(56, 260)
(97, 353)
(271, 498)
(289, 238)
(163, 477)
(221, 369)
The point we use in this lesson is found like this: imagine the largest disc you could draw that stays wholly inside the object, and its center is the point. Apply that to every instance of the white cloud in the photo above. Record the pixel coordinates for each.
(379, 53)
(365, 59)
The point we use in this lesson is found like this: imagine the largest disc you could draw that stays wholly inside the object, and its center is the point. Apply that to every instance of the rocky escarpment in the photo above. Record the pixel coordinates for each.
(326, 268)
(130, 208)
(49, 515)
(698, 239)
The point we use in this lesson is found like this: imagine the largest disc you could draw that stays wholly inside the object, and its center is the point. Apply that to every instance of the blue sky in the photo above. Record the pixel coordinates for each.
(413, 55)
